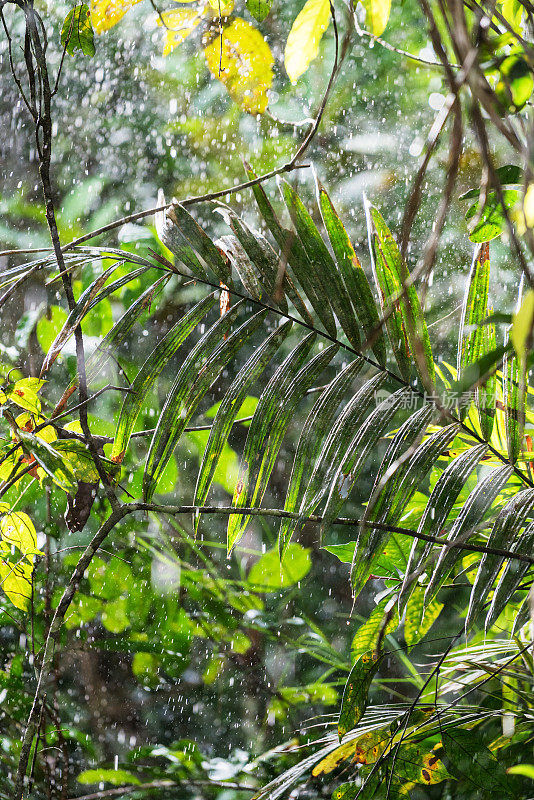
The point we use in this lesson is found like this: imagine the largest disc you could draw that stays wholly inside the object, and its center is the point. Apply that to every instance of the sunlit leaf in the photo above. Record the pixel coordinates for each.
(179, 24)
(106, 13)
(304, 37)
(242, 60)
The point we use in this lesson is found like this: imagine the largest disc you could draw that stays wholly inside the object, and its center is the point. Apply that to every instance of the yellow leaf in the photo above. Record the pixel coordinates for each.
(28, 422)
(18, 529)
(304, 37)
(15, 580)
(335, 758)
(106, 13)
(179, 22)
(242, 60)
(522, 324)
(377, 15)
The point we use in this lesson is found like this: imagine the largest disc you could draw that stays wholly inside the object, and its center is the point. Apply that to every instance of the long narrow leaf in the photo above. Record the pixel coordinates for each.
(322, 267)
(512, 575)
(316, 426)
(267, 429)
(393, 281)
(151, 369)
(229, 409)
(199, 371)
(294, 254)
(472, 512)
(337, 441)
(357, 452)
(353, 275)
(439, 505)
(506, 528)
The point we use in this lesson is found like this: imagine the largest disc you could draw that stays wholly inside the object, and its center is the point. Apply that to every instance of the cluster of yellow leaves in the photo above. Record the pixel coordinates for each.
(236, 52)
(18, 548)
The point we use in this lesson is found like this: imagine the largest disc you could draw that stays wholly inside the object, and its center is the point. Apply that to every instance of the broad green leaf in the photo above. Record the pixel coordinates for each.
(516, 84)
(149, 372)
(269, 425)
(345, 552)
(304, 37)
(357, 452)
(353, 275)
(362, 791)
(199, 371)
(512, 575)
(485, 226)
(81, 460)
(334, 759)
(392, 277)
(77, 31)
(230, 406)
(270, 574)
(419, 619)
(439, 505)
(259, 8)
(356, 690)
(472, 761)
(322, 267)
(415, 764)
(316, 426)
(377, 15)
(506, 528)
(508, 175)
(473, 510)
(242, 60)
(366, 636)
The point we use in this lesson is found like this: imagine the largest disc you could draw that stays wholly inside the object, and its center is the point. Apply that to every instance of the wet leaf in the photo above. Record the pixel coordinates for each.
(106, 13)
(377, 15)
(270, 574)
(472, 761)
(150, 371)
(179, 24)
(259, 8)
(356, 691)
(77, 31)
(304, 37)
(242, 60)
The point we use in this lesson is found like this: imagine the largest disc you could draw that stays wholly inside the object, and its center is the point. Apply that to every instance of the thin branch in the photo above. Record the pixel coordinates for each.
(166, 784)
